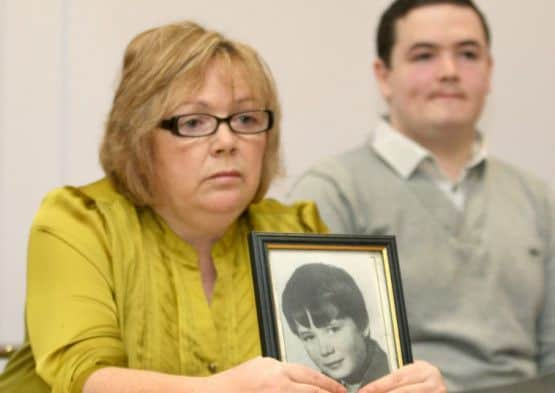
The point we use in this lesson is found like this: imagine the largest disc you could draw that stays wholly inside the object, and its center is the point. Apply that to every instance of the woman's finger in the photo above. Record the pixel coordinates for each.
(422, 387)
(419, 375)
(306, 376)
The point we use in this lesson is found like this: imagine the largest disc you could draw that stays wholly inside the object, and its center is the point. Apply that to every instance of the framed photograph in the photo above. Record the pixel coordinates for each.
(331, 302)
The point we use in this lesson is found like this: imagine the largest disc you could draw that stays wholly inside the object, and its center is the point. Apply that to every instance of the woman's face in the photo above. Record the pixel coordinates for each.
(218, 173)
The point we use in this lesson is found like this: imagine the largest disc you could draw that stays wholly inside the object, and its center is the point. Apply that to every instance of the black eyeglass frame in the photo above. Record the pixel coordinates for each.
(171, 124)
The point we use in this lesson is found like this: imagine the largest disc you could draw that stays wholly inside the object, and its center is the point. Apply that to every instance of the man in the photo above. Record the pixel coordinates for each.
(325, 309)
(476, 237)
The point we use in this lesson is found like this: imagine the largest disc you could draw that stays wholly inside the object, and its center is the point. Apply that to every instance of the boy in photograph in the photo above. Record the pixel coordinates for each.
(325, 309)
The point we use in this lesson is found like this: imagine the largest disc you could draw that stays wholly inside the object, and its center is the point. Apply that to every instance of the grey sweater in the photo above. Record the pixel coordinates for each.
(479, 283)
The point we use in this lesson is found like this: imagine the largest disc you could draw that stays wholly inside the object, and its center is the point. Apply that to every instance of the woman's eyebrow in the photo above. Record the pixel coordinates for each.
(243, 100)
(202, 105)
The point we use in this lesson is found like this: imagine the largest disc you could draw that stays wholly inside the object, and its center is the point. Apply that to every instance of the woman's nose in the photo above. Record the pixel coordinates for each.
(224, 139)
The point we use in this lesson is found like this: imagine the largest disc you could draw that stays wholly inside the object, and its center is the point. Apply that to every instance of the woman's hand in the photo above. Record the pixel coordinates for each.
(418, 377)
(266, 375)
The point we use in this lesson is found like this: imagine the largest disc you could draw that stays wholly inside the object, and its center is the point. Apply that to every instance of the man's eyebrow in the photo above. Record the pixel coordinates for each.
(422, 45)
(431, 45)
(474, 43)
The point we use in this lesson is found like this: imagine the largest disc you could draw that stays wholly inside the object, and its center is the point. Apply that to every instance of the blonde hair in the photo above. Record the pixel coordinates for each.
(155, 63)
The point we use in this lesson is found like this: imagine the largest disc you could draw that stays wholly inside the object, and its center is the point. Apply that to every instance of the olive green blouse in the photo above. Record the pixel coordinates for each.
(110, 284)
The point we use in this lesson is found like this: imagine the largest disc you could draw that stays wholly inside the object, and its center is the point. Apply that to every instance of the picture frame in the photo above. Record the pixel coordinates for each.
(306, 306)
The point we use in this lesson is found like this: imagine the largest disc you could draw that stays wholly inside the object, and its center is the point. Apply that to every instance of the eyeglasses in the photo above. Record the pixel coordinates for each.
(202, 124)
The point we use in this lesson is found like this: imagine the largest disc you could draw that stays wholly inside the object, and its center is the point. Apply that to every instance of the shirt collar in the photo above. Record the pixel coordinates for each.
(405, 155)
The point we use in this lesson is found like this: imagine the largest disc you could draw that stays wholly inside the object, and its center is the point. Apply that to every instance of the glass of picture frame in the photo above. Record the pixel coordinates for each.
(332, 302)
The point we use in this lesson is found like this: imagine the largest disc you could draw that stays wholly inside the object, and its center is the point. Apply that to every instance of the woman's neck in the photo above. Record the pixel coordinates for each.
(201, 232)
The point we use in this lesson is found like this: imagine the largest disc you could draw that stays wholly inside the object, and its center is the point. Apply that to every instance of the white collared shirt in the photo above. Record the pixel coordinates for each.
(406, 156)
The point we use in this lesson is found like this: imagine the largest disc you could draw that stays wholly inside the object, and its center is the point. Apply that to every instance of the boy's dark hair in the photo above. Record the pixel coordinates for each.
(326, 292)
(385, 37)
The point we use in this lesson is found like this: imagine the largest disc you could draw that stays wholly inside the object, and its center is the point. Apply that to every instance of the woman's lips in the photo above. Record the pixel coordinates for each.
(231, 173)
(225, 176)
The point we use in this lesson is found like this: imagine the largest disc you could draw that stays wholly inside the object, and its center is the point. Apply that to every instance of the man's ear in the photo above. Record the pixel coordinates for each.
(490, 70)
(382, 74)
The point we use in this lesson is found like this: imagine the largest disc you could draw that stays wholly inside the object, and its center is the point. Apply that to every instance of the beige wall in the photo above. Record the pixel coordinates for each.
(59, 62)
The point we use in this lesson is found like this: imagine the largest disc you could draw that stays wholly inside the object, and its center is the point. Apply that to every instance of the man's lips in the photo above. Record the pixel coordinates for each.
(447, 95)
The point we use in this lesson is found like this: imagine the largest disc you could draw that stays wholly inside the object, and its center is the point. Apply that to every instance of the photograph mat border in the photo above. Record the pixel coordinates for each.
(279, 325)
(331, 247)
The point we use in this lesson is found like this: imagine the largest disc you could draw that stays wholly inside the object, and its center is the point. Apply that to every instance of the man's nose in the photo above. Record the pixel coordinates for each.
(448, 67)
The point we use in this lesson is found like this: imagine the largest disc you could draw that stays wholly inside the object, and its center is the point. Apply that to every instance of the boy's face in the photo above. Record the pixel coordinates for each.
(338, 349)
(440, 71)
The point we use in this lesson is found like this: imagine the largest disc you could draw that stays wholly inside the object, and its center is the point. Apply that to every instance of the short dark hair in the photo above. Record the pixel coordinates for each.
(326, 292)
(385, 36)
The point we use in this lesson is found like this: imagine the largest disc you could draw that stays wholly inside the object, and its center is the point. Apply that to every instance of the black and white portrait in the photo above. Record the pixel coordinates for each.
(331, 302)
(334, 313)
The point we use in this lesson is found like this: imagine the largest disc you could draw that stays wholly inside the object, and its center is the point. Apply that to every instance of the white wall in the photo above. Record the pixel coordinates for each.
(60, 59)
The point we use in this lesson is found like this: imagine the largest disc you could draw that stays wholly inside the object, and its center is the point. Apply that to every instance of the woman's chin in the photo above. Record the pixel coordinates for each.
(226, 202)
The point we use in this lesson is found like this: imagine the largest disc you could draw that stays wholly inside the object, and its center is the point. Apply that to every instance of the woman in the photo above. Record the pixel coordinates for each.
(141, 281)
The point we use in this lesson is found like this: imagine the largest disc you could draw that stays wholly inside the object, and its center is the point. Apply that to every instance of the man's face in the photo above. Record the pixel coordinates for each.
(439, 74)
(338, 349)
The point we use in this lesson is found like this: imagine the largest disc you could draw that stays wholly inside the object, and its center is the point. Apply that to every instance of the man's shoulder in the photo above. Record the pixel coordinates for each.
(349, 178)
(350, 164)
(347, 159)
(504, 174)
